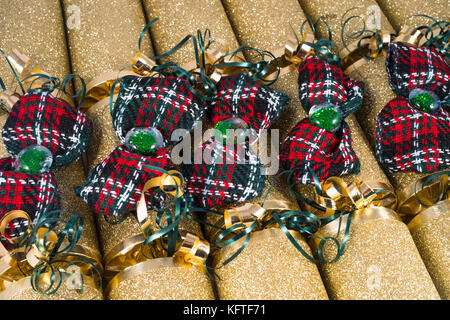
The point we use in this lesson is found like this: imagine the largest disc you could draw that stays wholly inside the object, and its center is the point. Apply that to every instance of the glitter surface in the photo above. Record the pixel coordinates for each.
(178, 18)
(432, 239)
(22, 290)
(400, 12)
(269, 268)
(165, 283)
(380, 262)
(107, 36)
(41, 38)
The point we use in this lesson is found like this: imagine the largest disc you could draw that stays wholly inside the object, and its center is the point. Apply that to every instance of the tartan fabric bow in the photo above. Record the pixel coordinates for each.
(412, 130)
(325, 151)
(115, 185)
(221, 175)
(38, 118)
(241, 96)
(32, 193)
(165, 104)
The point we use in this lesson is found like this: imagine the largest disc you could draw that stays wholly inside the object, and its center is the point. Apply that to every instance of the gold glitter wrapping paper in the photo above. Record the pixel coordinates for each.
(271, 31)
(276, 269)
(432, 238)
(106, 38)
(22, 290)
(42, 40)
(165, 280)
(180, 18)
(400, 12)
(382, 267)
(377, 91)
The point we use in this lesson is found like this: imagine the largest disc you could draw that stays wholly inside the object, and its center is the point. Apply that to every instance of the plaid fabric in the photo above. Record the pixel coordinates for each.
(241, 96)
(31, 193)
(409, 68)
(326, 153)
(320, 82)
(114, 186)
(407, 139)
(39, 118)
(166, 104)
(221, 176)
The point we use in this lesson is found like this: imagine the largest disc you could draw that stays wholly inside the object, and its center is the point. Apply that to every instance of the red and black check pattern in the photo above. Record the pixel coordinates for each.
(220, 175)
(325, 153)
(407, 139)
(409, 68)
(243, 97)
(39, 118)
(114, 186)
(165, 103)
(32, 193)
(320, 81)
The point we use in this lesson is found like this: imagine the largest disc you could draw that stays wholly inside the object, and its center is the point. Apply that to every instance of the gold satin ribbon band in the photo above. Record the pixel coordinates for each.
(337, 195)
(361, 216)
(410, 36)
(439, 209)
(100, 87)
(408, 203)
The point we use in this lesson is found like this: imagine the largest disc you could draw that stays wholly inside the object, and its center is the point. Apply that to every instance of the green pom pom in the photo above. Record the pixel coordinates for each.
(143, 142)
(326, 118)
(423, 102)
(31, 161)
(232, 124)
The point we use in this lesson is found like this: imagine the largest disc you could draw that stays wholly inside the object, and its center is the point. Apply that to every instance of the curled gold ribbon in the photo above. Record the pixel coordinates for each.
(171, 184)
(353, 55)
(7, 100)
(249, 213)
(20, 261)
(337, 195)
(193, 251)
(22, 64)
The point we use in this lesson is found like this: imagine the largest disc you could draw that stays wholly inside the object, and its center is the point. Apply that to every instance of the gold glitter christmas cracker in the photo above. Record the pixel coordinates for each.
(383, 267)
(107, 51)
(430, 230)
(42, 40)
(401, 12)
(377, 93)
(186, 17)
